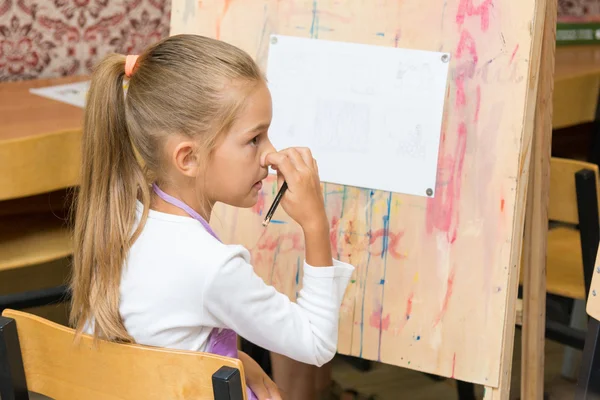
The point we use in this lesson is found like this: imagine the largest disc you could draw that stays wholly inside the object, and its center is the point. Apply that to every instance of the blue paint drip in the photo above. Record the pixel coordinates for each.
(386, 227)
(386, 233)
(369, 217)
(418, 337)
(278, 221)
(344, 196)
(314, 26)
(297, 275)
(260, 211)
(381, 282)
(381, 34)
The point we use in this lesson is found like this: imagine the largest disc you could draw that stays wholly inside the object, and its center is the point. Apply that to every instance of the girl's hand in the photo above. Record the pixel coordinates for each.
(260, 383)
(303, 201)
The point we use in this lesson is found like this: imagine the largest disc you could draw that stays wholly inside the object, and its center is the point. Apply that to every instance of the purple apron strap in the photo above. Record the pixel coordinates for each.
(224, 343)
(221, 342)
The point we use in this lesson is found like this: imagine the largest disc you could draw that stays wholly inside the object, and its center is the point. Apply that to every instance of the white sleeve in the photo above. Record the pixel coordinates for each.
(237, 298)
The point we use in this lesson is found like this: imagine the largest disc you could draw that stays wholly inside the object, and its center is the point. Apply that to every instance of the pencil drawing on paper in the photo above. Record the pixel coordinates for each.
(364, 110)
(341, 126)
(411, 143)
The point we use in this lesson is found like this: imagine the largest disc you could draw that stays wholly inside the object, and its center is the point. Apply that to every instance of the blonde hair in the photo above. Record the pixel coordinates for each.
(179, 85)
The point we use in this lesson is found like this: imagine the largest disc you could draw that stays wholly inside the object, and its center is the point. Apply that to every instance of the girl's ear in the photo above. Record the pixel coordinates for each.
(185, 159)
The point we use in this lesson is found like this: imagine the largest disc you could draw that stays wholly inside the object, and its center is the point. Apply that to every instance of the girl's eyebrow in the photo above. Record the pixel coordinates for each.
(259, 127)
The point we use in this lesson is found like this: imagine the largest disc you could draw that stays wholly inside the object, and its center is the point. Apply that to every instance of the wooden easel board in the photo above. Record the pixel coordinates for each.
(593, 300)
(434, 277)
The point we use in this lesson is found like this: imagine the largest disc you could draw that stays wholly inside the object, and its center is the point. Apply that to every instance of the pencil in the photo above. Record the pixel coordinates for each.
(276, 201)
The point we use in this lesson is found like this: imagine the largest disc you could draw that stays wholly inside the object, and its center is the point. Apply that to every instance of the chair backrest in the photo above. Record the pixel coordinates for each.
(55, 366)
(574, 199)
(39, 164)
(563, 204)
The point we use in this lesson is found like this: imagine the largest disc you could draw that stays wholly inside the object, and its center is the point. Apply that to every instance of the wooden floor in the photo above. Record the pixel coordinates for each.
(394, 383)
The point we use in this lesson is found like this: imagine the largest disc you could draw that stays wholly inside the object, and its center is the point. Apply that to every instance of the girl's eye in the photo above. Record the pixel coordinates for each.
(254, 141)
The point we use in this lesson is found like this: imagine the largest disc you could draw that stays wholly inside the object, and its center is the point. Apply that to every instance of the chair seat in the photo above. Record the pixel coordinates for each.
(32, 239)
(564, 266)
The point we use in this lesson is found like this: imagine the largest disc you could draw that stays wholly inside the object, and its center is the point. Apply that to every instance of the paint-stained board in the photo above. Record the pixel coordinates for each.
(431, 281)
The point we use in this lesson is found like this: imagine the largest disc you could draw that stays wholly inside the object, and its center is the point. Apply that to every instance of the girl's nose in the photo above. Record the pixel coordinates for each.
(268, 148)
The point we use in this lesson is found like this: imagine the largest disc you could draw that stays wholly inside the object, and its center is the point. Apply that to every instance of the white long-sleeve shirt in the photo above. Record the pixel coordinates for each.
(179, 283)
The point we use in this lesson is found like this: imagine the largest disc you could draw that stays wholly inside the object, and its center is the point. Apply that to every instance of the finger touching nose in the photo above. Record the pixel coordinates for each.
(267, 150)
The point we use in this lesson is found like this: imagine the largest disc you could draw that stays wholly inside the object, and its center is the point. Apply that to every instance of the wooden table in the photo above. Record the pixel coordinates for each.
(23, 114)
(576, 85)
(39, 140)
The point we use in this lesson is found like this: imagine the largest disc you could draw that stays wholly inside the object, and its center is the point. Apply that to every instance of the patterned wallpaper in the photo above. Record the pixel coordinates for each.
(51, 38)
(578, 10)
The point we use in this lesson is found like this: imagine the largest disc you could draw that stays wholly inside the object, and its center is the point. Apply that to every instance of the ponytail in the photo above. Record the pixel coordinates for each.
(111, 182)
(177, 87)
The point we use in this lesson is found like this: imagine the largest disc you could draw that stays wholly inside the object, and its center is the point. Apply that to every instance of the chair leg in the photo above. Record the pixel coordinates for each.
(227, 384)
(588, 384)
(572, 356)
(12, 374)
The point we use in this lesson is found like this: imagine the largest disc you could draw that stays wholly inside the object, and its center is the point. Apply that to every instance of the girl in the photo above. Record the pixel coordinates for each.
(191, 131)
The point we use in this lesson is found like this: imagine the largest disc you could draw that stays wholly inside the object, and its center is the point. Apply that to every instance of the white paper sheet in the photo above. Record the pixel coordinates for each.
(371, 115)
(72, 93)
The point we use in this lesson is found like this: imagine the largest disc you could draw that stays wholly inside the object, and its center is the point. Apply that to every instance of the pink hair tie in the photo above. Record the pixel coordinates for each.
(130, 61)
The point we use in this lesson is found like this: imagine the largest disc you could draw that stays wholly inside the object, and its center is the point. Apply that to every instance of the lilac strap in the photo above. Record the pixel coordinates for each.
(221, 342)
(180, 204)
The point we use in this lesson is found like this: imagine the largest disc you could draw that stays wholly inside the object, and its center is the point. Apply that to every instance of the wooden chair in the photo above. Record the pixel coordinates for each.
(32, 230)
(572, 238)
(40, 356)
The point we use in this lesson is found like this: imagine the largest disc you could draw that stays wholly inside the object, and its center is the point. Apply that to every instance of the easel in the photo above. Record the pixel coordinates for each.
(536, 228)
(221, 19)
(536, 218)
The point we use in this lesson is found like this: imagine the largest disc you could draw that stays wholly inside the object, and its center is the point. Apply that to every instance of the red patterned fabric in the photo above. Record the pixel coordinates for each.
(578, 10)
(50, 38)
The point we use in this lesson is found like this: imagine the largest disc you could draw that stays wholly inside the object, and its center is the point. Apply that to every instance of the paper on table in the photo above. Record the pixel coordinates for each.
(72, 93)
(371, 115)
